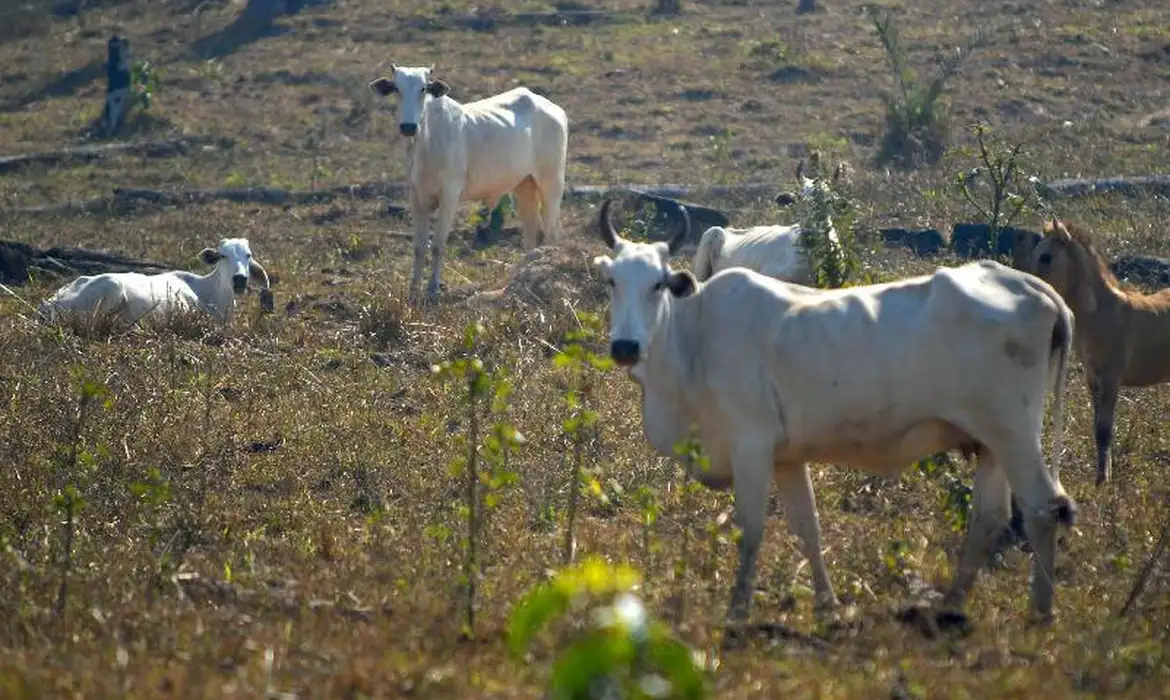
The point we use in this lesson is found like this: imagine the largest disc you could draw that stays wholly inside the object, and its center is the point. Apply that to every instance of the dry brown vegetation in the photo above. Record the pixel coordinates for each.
(269, 507)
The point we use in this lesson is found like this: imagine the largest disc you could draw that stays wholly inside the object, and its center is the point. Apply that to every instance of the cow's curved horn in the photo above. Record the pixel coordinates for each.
(682, 230)
(608, 234)
(255, 269)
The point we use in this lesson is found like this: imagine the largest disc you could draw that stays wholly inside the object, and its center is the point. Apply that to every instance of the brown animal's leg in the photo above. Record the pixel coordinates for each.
(1104, 406)
(752, 469)
(420, 213)
(991, 510)
(528, 210)
(800, 509)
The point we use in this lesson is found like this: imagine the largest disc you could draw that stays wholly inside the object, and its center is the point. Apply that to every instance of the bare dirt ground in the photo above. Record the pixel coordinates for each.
(270, 508)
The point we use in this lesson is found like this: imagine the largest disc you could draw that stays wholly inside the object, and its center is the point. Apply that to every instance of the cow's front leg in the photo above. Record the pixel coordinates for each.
(444, 221)
(800, 509)
(420, 214)
(751, 463)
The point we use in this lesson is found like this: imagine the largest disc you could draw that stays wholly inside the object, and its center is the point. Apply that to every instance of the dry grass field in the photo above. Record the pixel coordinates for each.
(271, 508)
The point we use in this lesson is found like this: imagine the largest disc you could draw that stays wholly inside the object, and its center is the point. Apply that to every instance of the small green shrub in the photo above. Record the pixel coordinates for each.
(487, 474)
(917, 114)
(1001, 174)
(824, 208)
(584, 367)
(143, 84)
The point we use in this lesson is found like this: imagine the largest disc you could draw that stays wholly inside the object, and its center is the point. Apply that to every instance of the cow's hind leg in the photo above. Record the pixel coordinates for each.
(552, 189)
(1044, 505)
(527, 195)
(991, 510)
(800, 510)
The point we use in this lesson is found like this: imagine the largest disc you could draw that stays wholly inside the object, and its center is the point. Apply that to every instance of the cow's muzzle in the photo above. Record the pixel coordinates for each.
(625, 352)
(239, 283)
(408, 129)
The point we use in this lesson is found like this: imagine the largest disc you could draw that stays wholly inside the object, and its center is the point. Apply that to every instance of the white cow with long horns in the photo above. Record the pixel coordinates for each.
(770, 374)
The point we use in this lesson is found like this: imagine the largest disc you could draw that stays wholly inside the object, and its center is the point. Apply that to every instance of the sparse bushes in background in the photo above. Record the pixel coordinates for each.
(1008, 190)
(622, 652)
(483, 482)
(917, 112)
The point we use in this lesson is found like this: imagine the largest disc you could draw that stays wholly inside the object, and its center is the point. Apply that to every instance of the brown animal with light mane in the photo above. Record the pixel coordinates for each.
(1122, 337)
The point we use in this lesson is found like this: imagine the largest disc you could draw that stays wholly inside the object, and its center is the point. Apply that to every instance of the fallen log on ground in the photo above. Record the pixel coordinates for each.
(19, 260)
(1128, 185)
(125, 200)
(158, 148)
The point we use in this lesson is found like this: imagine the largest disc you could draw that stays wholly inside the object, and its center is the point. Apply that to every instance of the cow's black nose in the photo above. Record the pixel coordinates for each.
(625, 352)
(239, 283)
(408, 129)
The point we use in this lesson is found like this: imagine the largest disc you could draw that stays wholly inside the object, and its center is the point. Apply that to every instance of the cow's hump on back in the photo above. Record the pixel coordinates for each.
(985, 290)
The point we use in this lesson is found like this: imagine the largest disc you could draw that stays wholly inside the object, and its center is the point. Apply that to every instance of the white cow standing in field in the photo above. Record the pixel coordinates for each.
(775, 375)
(130, 296)
(774, 250)
(515, 141)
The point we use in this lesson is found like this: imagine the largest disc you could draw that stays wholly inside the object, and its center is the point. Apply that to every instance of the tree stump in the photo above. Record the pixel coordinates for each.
(117, 85)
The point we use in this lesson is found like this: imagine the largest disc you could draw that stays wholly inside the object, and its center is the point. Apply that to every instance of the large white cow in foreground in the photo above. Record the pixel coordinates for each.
(774, 251)
(515, 141)
(775, 375)
(127, 297)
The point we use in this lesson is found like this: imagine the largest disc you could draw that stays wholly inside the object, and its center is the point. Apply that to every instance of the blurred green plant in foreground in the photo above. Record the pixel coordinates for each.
(620, 652)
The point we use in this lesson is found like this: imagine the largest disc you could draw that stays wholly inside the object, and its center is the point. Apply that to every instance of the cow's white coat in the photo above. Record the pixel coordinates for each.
(515, 141)
(773, 250)
(127, 297)
(775, 375)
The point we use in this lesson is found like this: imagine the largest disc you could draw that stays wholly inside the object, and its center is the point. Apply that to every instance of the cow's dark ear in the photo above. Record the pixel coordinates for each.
(209, 256)
(681, 284)
(438, 88)
(383, 86)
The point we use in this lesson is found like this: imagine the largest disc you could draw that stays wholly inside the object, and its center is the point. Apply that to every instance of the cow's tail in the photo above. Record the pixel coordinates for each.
(1060, 355)
(710, 247)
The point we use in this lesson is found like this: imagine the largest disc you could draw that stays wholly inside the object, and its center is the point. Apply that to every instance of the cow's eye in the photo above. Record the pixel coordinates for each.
(1046, 258)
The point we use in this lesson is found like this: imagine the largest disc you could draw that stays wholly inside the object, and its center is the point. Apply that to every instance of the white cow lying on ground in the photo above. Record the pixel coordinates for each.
(130, 296)
(775, 375)
(515, 141)
(774, 251)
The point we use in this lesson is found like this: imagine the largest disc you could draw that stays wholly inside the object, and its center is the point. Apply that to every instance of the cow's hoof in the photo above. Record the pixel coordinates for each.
(934, 622)
(735, 636)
